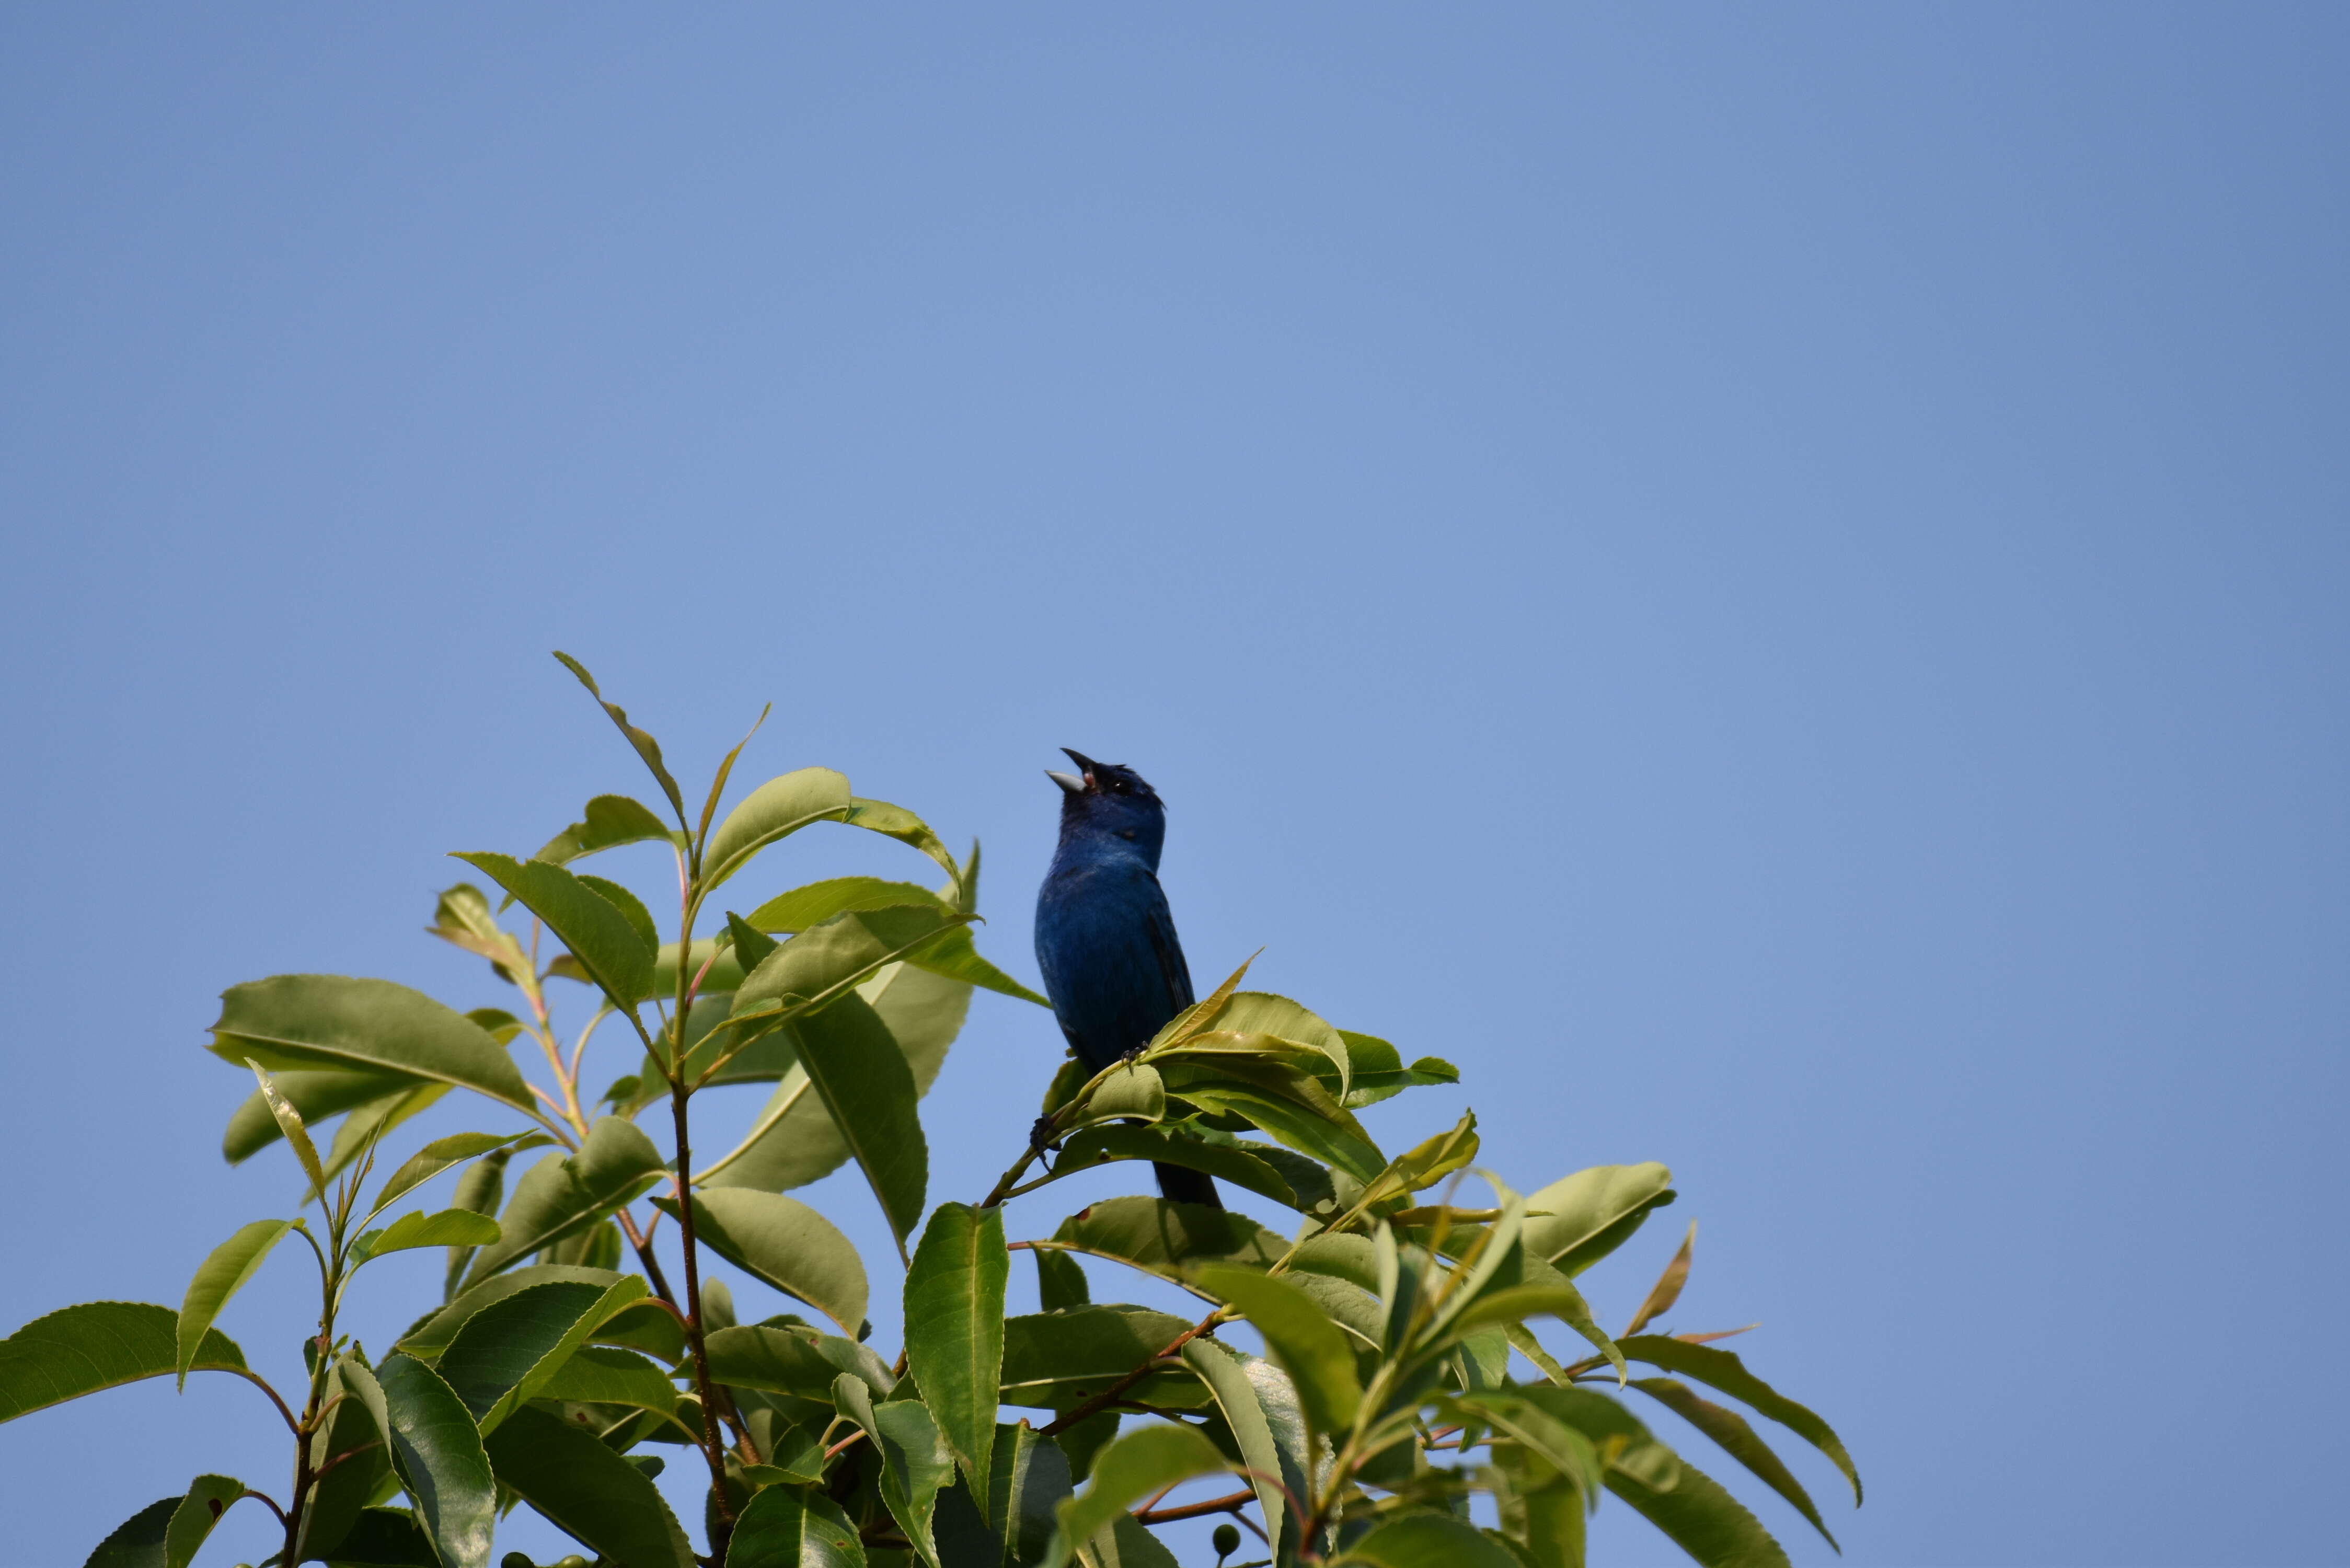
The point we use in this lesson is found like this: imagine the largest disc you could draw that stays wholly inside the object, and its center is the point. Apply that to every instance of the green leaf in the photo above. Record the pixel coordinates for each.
(1380, 1072)
(289, 1122)
(1137, 1464)
(316, 1095)
(1290, 1105)
(751, 945)
(586, 1490)
(80, 1350)
(219, 1277)
(817, 902)
(507, 1351)
(1100, 1144)
(463, 917)
(793, 1141)
(384, 1538)
(137, 1542)
(791, 1361)
(1515, 1303)
(1702, 1520)
(610, 821)
(437, 1157)
(367, 1127)
(1562, 1446)
(1241, 1385)
(639, 919)
(479, 1191)
(560, 1194)
(1310, 1347)
(437, 1451)
(1012, 1523)
(1262, 1012)
(1128, 1089)
(896, 822)
(1668, 1288)
(1428, 1540)
(1721, 1369)
(427, 1339)
(954, 1328)
(1575, 1222)
(449, 1228)
(349, 1456)
(1542, 1511)
(1622, 1440)
(785, 1527)
(1056, 1360)
(1128, 1544)
(601, 1375)
(853, 1062)
(601, 935)
(827, 959)
(915, 1459)
(330, 1020)
(1730, 1431)
(1167, 1239)
(1060, 1280)
(787, 1244)
(648, 749)
(193, 1518)
(781, 806)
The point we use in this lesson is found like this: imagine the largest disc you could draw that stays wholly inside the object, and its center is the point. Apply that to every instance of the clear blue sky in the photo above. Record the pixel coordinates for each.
(1770, 581)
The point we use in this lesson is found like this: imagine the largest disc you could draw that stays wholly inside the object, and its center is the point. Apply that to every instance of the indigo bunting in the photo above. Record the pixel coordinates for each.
(1104, 940)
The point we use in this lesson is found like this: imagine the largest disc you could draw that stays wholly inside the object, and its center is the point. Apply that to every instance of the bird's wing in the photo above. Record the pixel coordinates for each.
(1160, 922)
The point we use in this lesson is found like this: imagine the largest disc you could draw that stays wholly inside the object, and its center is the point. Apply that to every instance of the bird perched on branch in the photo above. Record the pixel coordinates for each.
(1105, 938)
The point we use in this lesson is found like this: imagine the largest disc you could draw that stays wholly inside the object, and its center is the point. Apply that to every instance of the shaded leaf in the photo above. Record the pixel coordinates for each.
(1311, 1348)
(1290, 1105)
(137, 1542)
(787, 1244)
(562, 1194)
(384, 1538)
(438, 1454)
(601, 1375)
(207, 1498)
(329, 1021)
(1564, 1447)
(1730, 1431)
(427, 1338)
(80, 1350)
(1101, 1144)
(1668, 1288)
(915, 1459)
(1055, 1360)
(1239, 1397)
(791, 1361)
(1167, 1239)
(954, 1328)
(367, 1127)
(586, 1490)
(437, 1157)
(1722, 1370)
(1130, 1469)
(220, 1276)
(1702, 1520)
(853, 1060)
(1428, 1540)
(505, 1353)
(639, 919)
(349, 1449)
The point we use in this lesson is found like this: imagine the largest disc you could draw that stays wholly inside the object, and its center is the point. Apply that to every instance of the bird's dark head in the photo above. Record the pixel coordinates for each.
(1110, 801)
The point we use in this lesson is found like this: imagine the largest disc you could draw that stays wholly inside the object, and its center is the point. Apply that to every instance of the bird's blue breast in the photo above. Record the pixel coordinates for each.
(1107, 946)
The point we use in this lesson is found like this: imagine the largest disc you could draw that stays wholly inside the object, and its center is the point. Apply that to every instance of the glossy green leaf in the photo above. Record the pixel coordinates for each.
(1242, 1397)
(1311, 1348)
(781, 806)
(437, 1157)
(586, 1490)
(505, 1353)
(289, 1123)
(449, 1228)
(479, 1191)
(1428, 1540)
(610, 821)
(137, 1542)
(1702, 1519)
(915, 1459)
(80, 1350)
(329, 1021)
(1290, 1105)
(1102, 1144)
(791, 1361)
(1731, 1432)
(853, 1060)
(787, 1244)
(317, 1096)
(349, 1456)
(1575, 1222)
(220, 1276)
(1167, 1239)
(786, 1527)
(648, 749)
(954, 1328)
(428, 1339)
(384, 1538)
(1137, 1464)
(1721, 1369)
(562, 1194)
(793, 1141)
(437, 1451)
(1055, 1360)
(191, 1522)
(600, 935)
(602, 1375)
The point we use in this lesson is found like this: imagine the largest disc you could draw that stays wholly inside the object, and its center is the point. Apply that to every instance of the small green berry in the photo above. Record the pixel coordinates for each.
(1226, 1540)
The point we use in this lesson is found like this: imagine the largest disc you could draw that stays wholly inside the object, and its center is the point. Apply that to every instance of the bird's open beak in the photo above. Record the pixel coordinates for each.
(1073, 783)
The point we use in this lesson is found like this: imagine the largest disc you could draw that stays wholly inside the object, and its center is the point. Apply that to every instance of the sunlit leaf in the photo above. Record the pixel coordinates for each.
(80, 1350)
(289, 1122)
(1055, 1360)
(1240, 1384)
(791, 1361)
(853, 1060)
(954, 1328)
(1428, 1540)
(787, 1244)
(1668, 1288)
(328, 1020)
(610, 821)
(602, 936)
(1101, 1144)
(437, 1157)
(316, 1095)
(507, 1351)
(1575, 1222)
(562, 1194)
(1703, 1520)
(1167, 1239)
(781, 806)
(1312, 1349)
(220, 1276)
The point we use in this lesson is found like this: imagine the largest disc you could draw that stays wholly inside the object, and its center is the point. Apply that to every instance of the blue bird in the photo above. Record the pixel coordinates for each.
(1105, 938)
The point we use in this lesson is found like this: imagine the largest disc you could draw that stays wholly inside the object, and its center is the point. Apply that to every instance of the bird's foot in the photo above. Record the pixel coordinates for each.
(1127, 1060)
(1040, 1137)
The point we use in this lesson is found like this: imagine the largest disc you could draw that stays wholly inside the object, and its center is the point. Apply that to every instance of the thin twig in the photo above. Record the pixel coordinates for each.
(1232, 1504)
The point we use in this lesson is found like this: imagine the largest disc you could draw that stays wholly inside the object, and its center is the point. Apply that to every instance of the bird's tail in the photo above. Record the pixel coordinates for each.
(1181, 1184)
